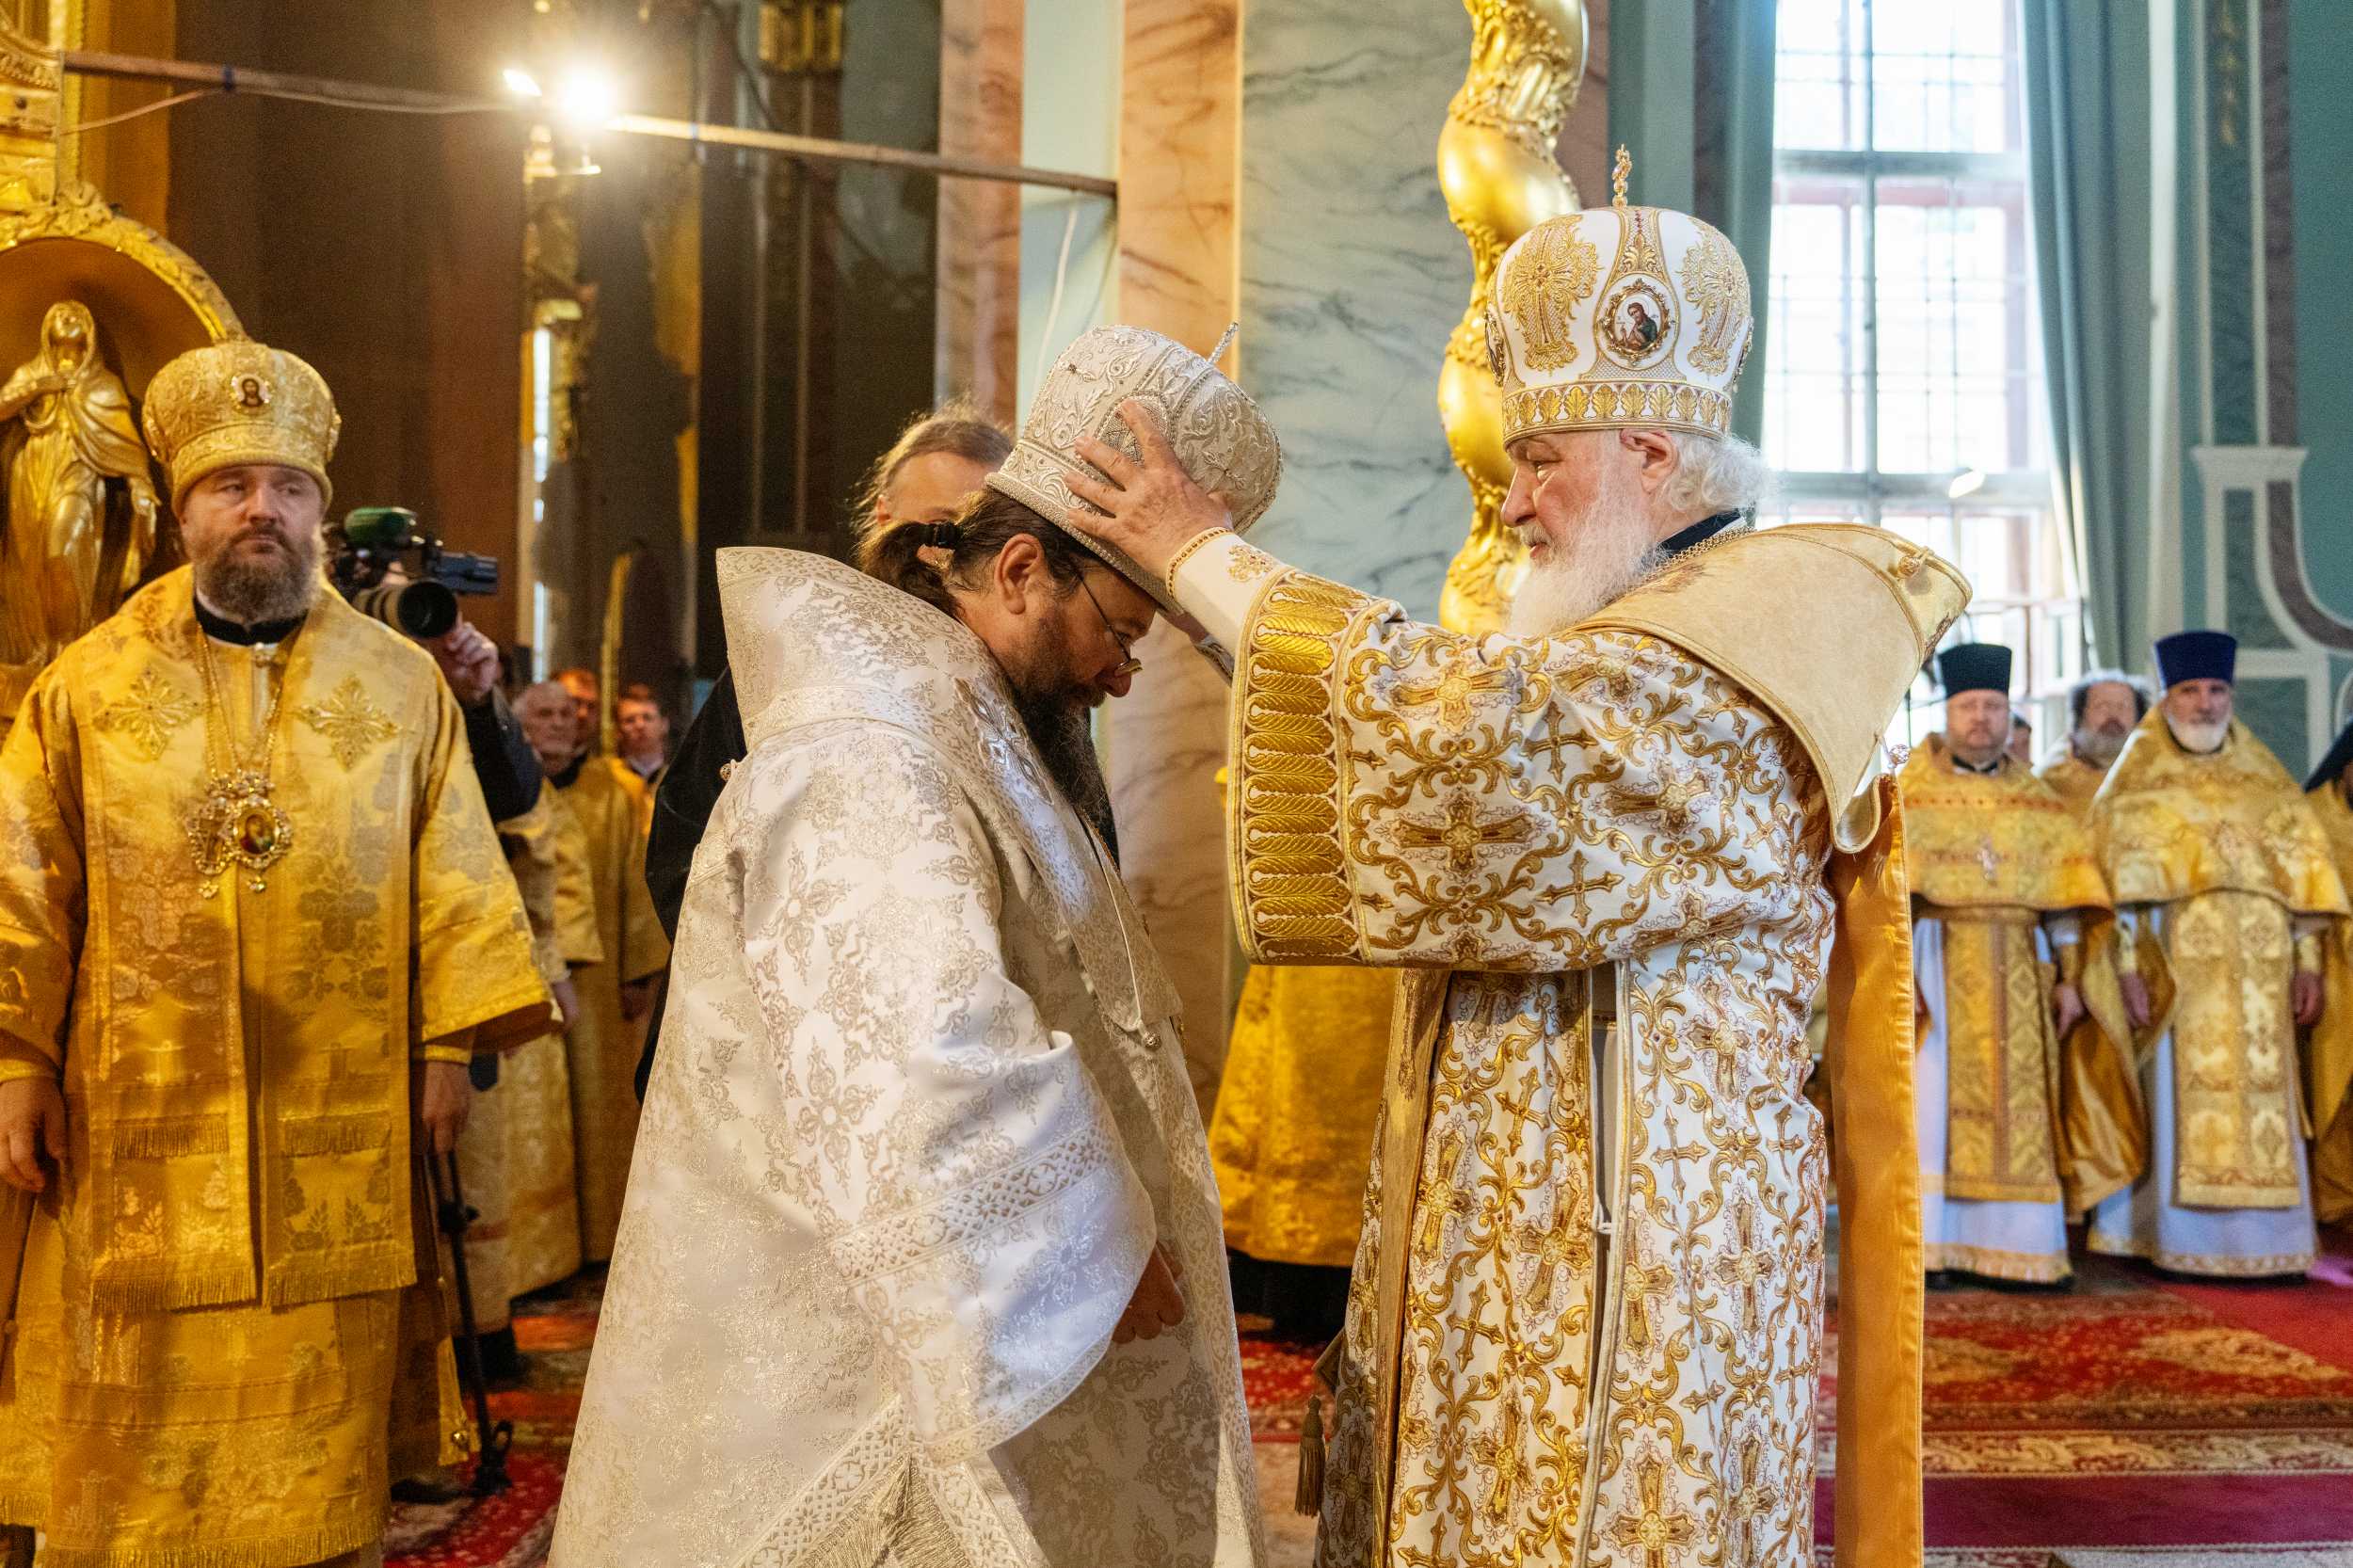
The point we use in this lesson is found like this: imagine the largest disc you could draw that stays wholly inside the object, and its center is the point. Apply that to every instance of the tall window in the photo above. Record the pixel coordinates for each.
(1904, 359)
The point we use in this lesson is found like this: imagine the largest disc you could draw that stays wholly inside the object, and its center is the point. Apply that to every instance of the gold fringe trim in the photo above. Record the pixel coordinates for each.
(345, 1271)
(277, 1551)
(1307, 1496)
(903, 1520)
(1291, 887)
(346, 1134)
(170, 1138)
(164, 1285)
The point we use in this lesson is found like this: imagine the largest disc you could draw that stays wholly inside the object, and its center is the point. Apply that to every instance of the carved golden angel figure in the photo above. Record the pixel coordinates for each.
(81, 509)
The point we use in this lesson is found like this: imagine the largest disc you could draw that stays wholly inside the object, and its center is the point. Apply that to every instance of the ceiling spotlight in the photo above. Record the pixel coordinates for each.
(520, 81)
(1969, 481)
(588, 99)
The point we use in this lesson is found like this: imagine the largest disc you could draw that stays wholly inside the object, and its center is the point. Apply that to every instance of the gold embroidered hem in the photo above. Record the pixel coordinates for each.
(2219, 1266)
(209, 1437)
(1295, 1115)
(1992, 1263)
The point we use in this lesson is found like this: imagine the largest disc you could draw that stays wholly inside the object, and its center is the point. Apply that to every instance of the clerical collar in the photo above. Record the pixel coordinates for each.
(569, 774)
(1965, 765)
(1700, 532)
(222, 630)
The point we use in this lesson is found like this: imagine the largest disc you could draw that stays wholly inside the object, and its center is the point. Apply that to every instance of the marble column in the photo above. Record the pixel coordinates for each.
(1179, 170)
(980, 221)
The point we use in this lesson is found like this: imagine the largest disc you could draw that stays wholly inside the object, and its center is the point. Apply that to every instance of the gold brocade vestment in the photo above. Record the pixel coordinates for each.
(2223, 848)
(1585, 1326)
(2329, 1051)
(1295, 1115)
(213, 1309)
(2074, 780)
(602, 1046)
(1988, 855)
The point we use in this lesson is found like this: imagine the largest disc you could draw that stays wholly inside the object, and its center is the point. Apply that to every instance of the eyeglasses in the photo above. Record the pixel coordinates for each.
(1130, 663)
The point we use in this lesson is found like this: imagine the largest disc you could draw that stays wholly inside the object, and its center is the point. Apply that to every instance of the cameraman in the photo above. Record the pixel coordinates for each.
(502, 760)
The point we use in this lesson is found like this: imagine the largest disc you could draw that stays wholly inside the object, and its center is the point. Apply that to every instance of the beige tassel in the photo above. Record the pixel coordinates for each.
(1308, 1497)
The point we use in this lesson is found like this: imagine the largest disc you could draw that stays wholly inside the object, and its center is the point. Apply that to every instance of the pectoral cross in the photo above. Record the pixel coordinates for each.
(1988, 862)
(1649, 1527)
(1462, 835)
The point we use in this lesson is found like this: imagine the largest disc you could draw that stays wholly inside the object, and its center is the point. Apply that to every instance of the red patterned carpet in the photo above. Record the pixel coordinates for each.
(2136, 1423)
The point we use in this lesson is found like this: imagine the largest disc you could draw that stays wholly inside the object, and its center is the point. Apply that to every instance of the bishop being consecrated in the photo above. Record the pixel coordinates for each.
(1609, 850)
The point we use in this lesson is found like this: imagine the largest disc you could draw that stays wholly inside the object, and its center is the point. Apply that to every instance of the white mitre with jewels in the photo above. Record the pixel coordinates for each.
(1619, 317)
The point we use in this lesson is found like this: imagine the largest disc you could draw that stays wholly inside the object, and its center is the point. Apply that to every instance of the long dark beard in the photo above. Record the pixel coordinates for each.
(1065, 742)
(252, 593)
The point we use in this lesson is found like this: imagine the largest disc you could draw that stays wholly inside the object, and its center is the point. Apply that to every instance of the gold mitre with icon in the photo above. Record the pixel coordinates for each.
(240, 402)
(1619, 317)
(1225, 442)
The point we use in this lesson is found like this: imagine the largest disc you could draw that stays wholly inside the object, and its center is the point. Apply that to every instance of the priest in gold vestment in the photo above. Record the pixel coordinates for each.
(609, 805)
(2003, 877)
(2329, 1054)
(253, 924)
(2102, 709)
(2228, 901)
(1609, 850)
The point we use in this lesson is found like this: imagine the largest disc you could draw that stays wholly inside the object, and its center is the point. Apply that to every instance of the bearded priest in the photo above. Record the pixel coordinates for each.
(2228, 901)
(1606, 851)
(2003, 880)
(2102, 709)
(254, 923)
(921, 1259)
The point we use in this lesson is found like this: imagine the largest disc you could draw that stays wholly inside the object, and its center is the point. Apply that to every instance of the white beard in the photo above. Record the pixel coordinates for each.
(2200, 738)
(1608, 559)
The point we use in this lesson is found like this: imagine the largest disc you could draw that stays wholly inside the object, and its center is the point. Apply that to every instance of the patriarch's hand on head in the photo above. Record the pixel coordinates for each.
(1149, 509)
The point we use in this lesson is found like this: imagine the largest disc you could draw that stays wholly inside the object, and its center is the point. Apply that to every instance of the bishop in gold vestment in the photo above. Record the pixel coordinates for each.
(2227, 901)
(248, 892)
(1609, 853)
(2003, 877)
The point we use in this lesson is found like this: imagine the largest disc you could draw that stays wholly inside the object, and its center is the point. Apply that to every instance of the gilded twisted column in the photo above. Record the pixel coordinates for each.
(1496, 167)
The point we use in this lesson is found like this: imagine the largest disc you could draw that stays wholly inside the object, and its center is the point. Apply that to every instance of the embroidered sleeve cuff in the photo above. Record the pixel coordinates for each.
(2310, 959)
(457, 1047)
(1217, 578)
(19, 1060)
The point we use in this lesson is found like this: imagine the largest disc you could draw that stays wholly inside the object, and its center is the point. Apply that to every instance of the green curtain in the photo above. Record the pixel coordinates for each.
(2087, 71)
(1691, 95)
(1734, 168)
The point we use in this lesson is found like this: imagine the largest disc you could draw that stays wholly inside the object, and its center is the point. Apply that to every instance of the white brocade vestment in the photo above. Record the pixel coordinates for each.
(920, 1114)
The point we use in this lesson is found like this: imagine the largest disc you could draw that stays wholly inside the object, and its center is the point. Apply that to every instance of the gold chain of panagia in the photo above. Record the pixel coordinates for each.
(214, 709)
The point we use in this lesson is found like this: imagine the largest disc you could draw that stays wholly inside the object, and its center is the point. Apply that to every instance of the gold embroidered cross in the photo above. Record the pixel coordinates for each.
(1747, 1506)
(1501, 1453)
(350, 721)
(148, 713)
(1644, 1287)
(1440, 1198)
(1740, 1267)
(1462, 835)
(1650, 1527)
(1722, 1045)
(1562, 1246)
(1454, 688)
(1579, 888)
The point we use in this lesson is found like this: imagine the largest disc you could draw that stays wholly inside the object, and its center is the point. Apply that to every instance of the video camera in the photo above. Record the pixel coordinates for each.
(422, 603)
